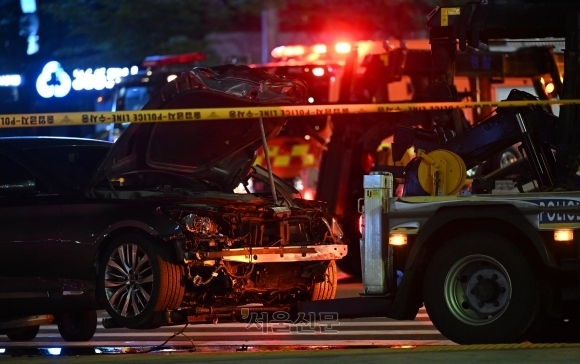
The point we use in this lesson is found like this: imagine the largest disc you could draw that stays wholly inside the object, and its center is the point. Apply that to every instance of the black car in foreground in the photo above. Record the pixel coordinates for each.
(150, 228)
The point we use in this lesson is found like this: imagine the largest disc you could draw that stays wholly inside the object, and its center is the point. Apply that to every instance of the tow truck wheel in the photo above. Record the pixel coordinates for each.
(23, 333)
(78, 326)
(136, 282)
(326, 290)
(480, 289)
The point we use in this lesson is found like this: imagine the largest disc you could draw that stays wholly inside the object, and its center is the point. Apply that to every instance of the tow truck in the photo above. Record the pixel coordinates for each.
(346, 148)
(488, 267)
(362, 143)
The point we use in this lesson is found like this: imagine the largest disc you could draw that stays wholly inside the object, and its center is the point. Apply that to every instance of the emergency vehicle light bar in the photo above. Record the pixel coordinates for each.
(161, 61)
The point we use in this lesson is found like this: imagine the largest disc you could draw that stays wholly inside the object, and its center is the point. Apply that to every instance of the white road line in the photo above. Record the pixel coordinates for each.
(281, 331)
(246, 326)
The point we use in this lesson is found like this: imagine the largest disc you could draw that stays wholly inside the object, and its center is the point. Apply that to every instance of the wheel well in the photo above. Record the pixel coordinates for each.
(458, 227)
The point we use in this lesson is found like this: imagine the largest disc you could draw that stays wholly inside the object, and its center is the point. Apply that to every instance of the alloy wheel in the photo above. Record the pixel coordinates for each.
(128, 280)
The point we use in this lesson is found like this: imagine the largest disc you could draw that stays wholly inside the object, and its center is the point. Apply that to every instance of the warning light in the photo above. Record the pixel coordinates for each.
(398, 239)
(318, 71)
(550, 88)
(161, 61)
(308, 194)
(563, 235)
(319, 48)
(342, 47)
(288, 51)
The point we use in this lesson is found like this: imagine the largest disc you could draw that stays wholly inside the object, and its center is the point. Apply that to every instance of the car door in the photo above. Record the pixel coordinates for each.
(28, 228)
(52, 224)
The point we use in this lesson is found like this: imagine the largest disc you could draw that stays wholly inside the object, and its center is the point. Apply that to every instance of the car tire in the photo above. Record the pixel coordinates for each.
(26, 333)
(326, 290)
(78, 326)
(479, 289)
(506, 157)
(135, 289)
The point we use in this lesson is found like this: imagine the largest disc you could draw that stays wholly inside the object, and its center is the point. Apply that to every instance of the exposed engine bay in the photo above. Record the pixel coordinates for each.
(247, 252)
(241, 248)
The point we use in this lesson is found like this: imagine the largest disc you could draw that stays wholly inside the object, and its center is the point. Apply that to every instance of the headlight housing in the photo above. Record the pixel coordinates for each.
(336, 230)
(200, 225)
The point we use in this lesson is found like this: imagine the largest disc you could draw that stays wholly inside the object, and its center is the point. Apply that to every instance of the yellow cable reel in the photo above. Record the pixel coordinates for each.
(441, 172)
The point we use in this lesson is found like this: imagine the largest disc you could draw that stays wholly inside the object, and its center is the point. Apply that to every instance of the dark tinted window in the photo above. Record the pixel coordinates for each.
(14, 175)
(73, 165)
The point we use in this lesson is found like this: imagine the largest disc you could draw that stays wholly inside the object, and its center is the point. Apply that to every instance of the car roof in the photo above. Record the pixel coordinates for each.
(148, 78)
(48, 141)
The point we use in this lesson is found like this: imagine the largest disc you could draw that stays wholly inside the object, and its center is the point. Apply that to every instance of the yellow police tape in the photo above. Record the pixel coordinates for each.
(149, 116)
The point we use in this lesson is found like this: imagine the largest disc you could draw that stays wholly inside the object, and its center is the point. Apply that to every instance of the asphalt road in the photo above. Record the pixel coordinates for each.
(376, 340)
(328, 332)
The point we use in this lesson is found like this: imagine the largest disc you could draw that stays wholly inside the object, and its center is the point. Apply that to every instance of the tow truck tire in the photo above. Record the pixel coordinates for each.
(23, 333)
(78, 326)
(326, 290)
(479, 289)
(136, 282)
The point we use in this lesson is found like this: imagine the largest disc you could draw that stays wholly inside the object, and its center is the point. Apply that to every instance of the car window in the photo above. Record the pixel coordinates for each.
(14, 175)
(72, 164)
(136, 97)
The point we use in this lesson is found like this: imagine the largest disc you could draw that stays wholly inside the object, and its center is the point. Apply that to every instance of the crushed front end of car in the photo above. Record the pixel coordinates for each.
(266, 249)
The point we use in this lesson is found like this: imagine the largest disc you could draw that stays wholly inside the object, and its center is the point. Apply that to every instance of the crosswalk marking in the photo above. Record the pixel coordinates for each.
(379, 331)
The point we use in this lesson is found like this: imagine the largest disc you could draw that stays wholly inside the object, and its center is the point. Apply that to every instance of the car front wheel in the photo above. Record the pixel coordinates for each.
(326, 288)
(78, 326)
(136, 282)
(480, 289)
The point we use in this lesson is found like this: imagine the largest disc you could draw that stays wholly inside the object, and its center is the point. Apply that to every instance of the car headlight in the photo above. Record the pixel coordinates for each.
(200, 225)
(336, 230)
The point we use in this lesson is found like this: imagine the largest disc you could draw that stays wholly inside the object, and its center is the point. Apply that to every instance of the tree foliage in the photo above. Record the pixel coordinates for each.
(117, 32)
(382, 18)
(106, 32)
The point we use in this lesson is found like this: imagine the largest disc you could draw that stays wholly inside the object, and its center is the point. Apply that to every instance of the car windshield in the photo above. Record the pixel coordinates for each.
(136, 97)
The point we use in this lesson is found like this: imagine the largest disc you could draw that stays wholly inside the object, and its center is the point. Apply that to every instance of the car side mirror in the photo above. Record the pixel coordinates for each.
(20, 188)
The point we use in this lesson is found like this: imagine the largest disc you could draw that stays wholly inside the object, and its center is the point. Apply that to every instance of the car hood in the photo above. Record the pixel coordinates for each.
(218, 151)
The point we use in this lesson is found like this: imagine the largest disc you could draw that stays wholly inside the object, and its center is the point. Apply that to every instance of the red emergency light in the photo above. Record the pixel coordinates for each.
(162, 61)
